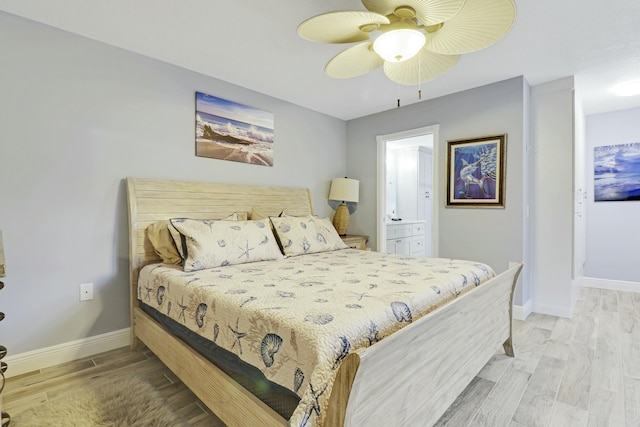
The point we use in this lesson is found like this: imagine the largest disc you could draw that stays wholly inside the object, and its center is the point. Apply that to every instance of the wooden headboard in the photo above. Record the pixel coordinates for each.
(152, 200)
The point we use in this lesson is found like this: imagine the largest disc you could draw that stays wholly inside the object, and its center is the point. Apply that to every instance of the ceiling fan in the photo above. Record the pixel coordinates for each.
(414, 40)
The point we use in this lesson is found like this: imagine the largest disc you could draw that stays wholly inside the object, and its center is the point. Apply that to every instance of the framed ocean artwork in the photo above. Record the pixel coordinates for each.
(476, 172)
(227, 130)
(616, 172)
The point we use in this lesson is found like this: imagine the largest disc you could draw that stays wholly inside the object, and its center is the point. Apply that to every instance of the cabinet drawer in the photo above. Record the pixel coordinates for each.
(398, 231)
(416, 244)
(355, 242)
(417, 229)
(357, 245)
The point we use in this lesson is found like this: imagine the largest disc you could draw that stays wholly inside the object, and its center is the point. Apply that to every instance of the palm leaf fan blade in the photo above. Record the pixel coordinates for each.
(429, 12)
(479, 24)
(340, 27)
(421, 68)
(355, 61)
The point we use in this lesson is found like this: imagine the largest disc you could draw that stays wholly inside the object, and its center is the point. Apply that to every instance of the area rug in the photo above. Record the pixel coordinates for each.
(123, 402)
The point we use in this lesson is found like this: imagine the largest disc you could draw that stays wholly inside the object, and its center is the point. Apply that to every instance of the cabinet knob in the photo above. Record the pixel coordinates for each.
(1, 285)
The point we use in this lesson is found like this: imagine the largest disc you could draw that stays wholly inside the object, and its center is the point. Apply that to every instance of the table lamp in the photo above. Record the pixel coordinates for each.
(343, 190)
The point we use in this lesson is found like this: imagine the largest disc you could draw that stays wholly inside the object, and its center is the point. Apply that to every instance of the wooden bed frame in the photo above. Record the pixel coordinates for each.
(409, 378)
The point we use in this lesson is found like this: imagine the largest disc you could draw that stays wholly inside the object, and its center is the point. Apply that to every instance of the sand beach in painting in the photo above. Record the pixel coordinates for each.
(207, 148)
(227, 130)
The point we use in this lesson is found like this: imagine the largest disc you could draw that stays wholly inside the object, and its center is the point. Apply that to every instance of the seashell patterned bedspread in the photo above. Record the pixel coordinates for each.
(297, 318)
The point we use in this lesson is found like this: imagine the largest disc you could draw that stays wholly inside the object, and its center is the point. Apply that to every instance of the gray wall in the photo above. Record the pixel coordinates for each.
(493, 236)
(76, 117)
(613, 232)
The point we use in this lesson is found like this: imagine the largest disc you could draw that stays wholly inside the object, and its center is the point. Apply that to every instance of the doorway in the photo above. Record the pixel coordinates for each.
(411, 151)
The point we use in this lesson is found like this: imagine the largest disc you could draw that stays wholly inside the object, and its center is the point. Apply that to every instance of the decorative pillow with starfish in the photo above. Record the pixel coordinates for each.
(306, 235)
(212, 243)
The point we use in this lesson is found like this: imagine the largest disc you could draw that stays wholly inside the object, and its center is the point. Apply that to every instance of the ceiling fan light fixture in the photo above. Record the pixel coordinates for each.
(399, 45)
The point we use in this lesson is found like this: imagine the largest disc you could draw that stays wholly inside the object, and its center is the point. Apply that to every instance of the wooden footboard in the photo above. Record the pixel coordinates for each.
(413, 376)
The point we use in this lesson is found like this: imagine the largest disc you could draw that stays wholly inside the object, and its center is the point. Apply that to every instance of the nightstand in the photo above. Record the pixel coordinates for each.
(355, 242)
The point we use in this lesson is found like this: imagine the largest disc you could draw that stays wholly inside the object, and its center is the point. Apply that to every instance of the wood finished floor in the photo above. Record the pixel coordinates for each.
(583, 371)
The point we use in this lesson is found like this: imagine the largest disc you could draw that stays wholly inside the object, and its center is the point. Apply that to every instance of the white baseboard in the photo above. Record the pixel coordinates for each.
(521, 312)
(552, 310)
(613, 285)
(67, 352)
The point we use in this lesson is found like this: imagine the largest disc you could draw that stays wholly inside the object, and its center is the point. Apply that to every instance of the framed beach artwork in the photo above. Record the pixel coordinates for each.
(227, 130)
(616, 172)
(476, 172)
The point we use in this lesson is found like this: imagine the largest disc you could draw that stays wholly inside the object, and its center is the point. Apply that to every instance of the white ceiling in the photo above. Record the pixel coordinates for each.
(254, 43)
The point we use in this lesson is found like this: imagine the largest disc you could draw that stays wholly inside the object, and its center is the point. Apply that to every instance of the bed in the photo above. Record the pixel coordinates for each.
(408, 377)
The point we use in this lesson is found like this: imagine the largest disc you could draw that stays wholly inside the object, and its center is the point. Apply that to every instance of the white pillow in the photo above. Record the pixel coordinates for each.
(175, 234)
(210, 244)
(306, 235)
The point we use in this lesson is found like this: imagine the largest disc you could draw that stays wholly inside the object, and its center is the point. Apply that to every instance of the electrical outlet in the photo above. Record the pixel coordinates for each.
(86, 291)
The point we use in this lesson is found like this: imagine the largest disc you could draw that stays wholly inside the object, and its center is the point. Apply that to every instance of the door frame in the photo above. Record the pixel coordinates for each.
(382, 181)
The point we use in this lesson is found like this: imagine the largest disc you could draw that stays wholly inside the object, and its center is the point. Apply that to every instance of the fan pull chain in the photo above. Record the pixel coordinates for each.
(398, 89)
(419, 74)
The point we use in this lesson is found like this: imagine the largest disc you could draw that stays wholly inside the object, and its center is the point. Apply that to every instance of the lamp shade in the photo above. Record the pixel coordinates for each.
(345, 190)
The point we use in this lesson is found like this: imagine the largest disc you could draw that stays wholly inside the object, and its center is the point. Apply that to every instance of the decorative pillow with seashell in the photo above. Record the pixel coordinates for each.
(211, 243)
(306, 235)
(175, 234)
